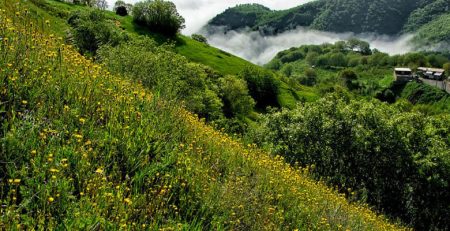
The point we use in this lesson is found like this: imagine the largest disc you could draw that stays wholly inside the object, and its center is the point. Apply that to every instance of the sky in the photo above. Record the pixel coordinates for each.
(198, 12)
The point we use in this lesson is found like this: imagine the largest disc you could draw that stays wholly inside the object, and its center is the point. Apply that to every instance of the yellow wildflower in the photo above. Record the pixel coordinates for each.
(128, 201)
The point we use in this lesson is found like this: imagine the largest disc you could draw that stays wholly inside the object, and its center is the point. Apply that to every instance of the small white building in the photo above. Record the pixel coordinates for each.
(403, 75)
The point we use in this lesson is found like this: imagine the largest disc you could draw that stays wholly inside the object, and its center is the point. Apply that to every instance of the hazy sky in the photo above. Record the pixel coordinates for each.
(198, 12)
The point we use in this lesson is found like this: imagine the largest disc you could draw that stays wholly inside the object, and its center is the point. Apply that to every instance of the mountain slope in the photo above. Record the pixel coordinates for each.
(84, 149)
(426, 14)
(434, 35)
(384, 17)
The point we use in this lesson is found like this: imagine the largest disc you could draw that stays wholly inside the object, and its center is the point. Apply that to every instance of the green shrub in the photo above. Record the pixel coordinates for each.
(263, 86)
(349, 77)
(234, 92)
(396, 161)
(91, 29)
(170, 74)
(199, 38)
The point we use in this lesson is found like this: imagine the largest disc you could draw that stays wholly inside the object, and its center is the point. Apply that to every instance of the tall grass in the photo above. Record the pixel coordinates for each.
(83, 149)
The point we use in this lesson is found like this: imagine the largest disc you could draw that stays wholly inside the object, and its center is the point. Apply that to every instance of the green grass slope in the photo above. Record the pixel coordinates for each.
(83, 149)
(220, 61)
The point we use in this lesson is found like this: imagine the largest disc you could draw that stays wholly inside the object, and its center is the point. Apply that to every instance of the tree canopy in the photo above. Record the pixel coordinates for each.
(158, 16)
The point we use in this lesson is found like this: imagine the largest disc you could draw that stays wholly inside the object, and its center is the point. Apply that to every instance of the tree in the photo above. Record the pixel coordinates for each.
(199, 38)
(287, 70)
(337, 60)
(120, 7)
(263, 86)
(158, 16)
(360, 46)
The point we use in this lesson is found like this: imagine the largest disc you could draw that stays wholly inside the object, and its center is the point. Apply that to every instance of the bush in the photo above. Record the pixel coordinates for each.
(263, 86)
(165, 72)
(397, 161)
(349, 77)
(91, 29)
(158, 16)
(199, 38)
(237, 101)
(310, 77)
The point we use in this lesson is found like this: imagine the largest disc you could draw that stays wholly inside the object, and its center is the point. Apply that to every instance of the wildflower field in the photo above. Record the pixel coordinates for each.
(83, 149)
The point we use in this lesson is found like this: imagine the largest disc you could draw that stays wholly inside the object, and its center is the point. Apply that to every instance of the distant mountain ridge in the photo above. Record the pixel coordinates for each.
(389, 17)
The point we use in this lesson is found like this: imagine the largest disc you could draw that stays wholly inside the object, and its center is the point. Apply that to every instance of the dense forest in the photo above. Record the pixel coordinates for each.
(374, 16)
(114, 120)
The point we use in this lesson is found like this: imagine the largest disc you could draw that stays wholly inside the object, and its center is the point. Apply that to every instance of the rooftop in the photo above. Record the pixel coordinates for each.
(403, 69)
(431, 69)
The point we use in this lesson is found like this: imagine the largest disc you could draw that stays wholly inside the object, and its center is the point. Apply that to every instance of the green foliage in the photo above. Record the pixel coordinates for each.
(435, 34)
(310, 77)
(421, 94)
(236, 98)
(380, 16)
(373, 68)
(84, 149)
(172, 75)
(158, 16)
(263, 86)
(349, 77)
(91, 29)
(446, 67)
(426, 14)
(241, 16)
(397, 161)
(121, 8)
(199, 38)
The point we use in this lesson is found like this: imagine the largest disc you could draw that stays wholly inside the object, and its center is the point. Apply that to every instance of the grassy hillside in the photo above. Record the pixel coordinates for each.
(193, 50)
(220, 61)
(84, 149)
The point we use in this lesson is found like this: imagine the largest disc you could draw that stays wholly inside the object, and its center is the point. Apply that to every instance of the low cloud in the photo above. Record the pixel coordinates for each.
(198, 12)
(260, 49)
